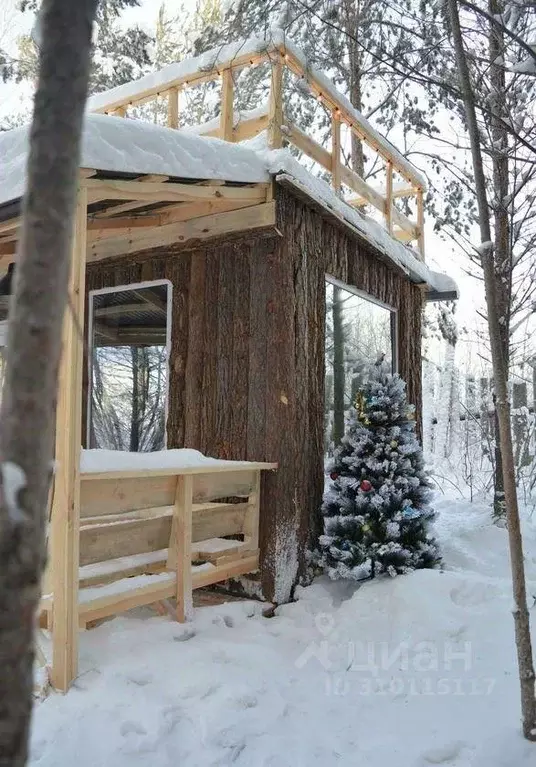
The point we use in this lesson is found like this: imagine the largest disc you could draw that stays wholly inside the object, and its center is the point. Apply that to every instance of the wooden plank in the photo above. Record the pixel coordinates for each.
(226, 107)
(126, 538)
(112, 603)
(154, 191)
(336, 150)
(389, 197)
(103, 495)
(180, 548)
(208, 487)
(241, 566)
(275, 104)
(357, 184)
(64, 531)
(243, 220)
(168, 215)
(122, 567)
(214, 520)
(308, 146)
(225, 467)
(173, 108)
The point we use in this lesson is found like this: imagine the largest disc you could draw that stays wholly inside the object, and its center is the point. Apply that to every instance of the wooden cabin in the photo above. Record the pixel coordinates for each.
(207, 259)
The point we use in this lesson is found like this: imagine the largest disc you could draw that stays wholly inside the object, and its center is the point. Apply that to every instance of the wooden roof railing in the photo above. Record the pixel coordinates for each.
(223, 63)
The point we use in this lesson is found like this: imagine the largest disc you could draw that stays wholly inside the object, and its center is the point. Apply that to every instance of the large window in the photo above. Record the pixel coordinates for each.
(359, 331)
(129, 339)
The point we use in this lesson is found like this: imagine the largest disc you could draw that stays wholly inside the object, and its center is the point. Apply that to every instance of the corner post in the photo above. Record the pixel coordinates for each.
(65, 522)
(275, 111)
(227, 111)
(389, 197)
(420, 221)
(336, 151)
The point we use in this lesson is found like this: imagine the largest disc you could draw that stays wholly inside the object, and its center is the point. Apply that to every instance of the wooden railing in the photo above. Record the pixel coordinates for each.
(400, 179)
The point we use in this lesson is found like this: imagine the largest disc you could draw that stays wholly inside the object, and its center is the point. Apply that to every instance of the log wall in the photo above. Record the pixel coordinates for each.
(247, 359)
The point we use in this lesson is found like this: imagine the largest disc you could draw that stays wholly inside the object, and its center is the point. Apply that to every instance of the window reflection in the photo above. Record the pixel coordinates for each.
(129, 373)
(358, 332)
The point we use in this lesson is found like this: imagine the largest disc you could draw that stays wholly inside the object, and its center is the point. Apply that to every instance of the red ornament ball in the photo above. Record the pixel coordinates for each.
(334, 475)
(365, 485)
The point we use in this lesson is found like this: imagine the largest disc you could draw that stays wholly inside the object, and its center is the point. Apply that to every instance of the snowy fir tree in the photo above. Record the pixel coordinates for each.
(377, 512)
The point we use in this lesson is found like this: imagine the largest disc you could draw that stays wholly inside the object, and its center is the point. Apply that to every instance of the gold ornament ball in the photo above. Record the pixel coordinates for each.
(394, 444)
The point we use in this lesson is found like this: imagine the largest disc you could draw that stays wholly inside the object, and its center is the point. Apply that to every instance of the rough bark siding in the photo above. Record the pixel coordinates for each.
(247, 360)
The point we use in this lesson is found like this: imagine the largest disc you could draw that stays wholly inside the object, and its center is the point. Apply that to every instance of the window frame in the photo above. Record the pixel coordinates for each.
(367, 297)
(169, 315)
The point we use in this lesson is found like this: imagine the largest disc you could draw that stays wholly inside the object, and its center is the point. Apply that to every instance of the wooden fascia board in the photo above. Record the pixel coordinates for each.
(202, 228)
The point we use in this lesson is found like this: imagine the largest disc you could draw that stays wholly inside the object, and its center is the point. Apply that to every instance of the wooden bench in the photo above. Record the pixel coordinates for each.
(151, 535)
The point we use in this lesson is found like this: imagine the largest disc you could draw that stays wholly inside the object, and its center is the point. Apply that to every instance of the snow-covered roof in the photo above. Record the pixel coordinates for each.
(117, 145)
(238, 52)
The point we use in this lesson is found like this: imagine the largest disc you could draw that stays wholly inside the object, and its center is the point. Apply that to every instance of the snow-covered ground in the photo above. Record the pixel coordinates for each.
(410, 672)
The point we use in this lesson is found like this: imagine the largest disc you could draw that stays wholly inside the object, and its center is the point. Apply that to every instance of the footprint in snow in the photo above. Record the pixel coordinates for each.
(184, 636)
(473, 594)
(132, 728)
(444, 754)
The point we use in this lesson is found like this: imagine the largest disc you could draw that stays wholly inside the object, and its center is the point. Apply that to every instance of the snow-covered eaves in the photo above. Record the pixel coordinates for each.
(117, 145)
(288, 171)
(121, 146)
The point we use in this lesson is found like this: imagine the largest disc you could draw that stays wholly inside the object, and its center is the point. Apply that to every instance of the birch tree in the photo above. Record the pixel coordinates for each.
(34, 346)
(494, 288)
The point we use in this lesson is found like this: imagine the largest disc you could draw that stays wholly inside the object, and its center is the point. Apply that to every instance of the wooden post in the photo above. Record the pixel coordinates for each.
(275, 111)
(227, 113)
(389, 197)
(420, 221)
(181, 546)
(173, 108)
(251, 522)
(336, 151)
(65, 522)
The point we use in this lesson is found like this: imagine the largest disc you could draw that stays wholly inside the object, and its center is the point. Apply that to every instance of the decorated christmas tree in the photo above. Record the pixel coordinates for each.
(376, 511)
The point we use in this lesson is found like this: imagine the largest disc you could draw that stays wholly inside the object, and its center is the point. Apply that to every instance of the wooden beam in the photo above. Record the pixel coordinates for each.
(193, 79)
(148, 192)
(180, 548)
(420, 222)
(275, 104)
(308, 146)
(202, 228)
(123, 222)
(389, 197)
(65, 521)
(226, 107)
(336, 151)
(173, 108)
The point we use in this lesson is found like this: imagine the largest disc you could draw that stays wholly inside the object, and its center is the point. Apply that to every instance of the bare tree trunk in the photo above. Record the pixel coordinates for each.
(500, 372)
(501, 183)
(135, 415)
(34, 346)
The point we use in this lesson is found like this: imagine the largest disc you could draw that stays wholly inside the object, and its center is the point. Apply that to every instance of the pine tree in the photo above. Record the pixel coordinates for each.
(119, 54)
(377, 512)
